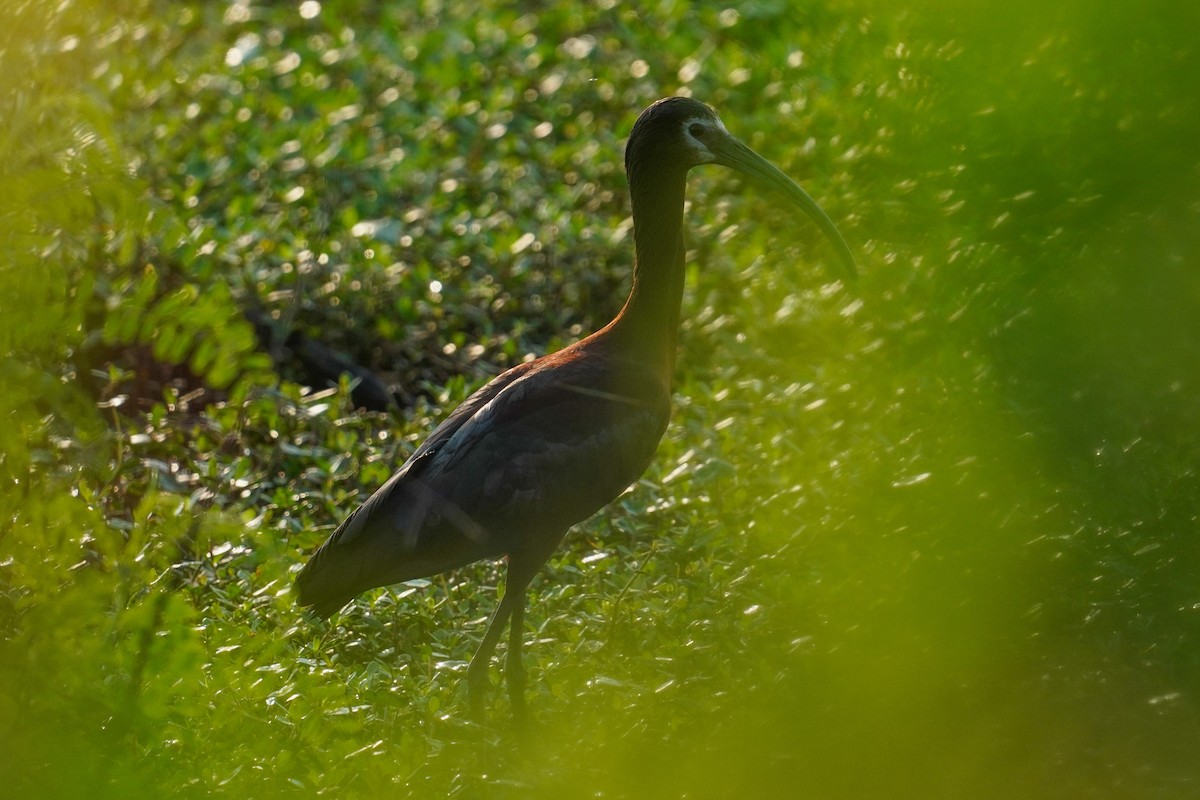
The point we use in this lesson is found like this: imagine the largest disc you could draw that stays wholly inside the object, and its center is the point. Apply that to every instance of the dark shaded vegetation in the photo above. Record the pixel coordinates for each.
(932, 536)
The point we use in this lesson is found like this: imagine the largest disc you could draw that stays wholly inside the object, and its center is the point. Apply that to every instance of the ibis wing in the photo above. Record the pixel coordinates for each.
(552, 448)
(479, 398)
(534, 451)
(356, 523)
(341, 568)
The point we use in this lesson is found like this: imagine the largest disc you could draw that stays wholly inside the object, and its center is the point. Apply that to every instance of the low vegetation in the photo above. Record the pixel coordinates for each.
(929, 535)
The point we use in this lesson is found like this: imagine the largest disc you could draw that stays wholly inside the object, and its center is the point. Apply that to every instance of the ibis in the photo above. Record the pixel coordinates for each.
(549, 442)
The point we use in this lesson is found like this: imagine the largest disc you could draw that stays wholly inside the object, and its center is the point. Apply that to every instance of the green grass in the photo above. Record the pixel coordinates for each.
(931, 535)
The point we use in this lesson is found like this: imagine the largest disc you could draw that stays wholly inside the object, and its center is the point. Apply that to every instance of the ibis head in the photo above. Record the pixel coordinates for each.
(687, 133)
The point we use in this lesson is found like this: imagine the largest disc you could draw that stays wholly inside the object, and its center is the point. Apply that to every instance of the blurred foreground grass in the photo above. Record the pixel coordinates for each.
(934, 535)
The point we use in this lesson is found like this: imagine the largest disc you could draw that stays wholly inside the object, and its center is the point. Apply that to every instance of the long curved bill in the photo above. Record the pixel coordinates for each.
(733, 154)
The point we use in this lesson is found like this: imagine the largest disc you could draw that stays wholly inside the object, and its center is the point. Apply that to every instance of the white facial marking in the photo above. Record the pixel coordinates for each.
(710, 126)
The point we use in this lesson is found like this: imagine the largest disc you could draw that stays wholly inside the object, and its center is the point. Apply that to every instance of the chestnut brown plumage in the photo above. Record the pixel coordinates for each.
(549, 442)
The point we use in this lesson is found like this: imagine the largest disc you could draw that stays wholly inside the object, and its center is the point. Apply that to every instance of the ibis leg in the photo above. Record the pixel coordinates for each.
(514, 665)
(513, 603)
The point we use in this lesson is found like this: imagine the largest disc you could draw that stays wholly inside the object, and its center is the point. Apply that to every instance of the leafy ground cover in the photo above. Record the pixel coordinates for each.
(931, 535)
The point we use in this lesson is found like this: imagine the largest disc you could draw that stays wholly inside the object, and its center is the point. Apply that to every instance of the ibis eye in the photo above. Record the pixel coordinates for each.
(696, 130)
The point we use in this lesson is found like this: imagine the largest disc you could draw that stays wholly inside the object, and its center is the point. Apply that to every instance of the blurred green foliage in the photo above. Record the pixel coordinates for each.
(933, 535)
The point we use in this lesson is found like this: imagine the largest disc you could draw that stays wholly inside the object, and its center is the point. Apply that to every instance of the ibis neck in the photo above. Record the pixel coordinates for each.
(648, 325)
